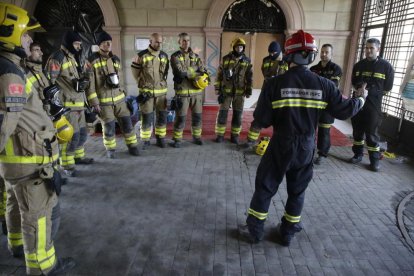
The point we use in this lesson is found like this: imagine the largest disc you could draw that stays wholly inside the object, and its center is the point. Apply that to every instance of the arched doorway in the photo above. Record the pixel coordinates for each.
(291, 9)
(258, 23)
(110, 17)
(56, 17)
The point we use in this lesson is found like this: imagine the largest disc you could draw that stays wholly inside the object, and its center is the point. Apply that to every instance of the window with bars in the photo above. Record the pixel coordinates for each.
(392, 22)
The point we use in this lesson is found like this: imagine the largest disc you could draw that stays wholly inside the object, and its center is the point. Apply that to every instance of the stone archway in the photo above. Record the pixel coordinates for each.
(295, 20)
(292, 9)
(110, 15)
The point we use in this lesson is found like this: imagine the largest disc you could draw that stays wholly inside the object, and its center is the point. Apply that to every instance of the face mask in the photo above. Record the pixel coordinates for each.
(113, 80)
(51, 94)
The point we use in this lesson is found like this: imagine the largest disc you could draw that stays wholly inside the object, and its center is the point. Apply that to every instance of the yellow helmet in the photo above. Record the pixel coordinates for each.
(238, 41)
(262, 146)
(64, 130)
(14, 22)
(202, 81)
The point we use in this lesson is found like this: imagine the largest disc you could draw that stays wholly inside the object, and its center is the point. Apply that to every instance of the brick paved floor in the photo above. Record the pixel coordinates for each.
(176, 211)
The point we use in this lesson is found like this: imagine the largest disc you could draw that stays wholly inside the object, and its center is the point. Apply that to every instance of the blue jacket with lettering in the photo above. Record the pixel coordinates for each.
(379, 76)
(292, 102)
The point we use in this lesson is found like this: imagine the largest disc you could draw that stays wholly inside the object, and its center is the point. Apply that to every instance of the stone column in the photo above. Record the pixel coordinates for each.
(212, 60)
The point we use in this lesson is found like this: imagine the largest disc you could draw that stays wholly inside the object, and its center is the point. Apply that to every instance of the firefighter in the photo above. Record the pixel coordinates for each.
(272, 66)
(37, 78)
(64, 69)
(291, 103)
(190, 78)
(28, 150)
(378, 76)
(150, 70)
(233, 84)
(107, 96)
(331, 71)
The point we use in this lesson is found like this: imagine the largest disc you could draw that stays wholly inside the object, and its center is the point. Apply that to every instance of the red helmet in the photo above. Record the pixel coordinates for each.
(301, 48)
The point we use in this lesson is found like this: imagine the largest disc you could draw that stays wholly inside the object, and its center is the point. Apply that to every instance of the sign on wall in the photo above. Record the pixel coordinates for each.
(141, 43)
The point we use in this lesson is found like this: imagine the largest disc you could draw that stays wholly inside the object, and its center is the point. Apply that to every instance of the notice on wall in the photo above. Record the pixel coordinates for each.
(407, 87)
(141, 43)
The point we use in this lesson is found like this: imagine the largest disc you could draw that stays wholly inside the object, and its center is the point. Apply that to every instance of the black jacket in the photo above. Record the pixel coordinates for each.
(379, 76)
(292, 102)
(331, 71)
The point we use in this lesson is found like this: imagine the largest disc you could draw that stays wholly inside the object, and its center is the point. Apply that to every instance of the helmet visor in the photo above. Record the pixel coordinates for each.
(32, 24)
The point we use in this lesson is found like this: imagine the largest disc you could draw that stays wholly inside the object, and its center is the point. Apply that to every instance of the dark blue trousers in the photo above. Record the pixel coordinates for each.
(286, 155)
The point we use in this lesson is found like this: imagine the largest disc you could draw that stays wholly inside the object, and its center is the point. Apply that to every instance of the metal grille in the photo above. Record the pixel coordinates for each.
(63, 14)
(263, 16)
(392, 22)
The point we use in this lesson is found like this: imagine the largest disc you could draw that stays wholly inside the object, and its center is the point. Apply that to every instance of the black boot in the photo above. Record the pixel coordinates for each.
(63, 265)
(161, 142)
(197, 141)
(234, 139)
(176, 144)
(83, 161)
(249, 144)
(220, 139)
(319, 160)
(356, 159)
(287, 231)
(134, 151)
(374, 164)
(247, 235)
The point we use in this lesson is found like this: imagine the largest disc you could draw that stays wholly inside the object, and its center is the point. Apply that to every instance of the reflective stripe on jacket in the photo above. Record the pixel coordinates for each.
(235, 75)
(151, 72)
(100, 91)
(62, 70)
(25, 127)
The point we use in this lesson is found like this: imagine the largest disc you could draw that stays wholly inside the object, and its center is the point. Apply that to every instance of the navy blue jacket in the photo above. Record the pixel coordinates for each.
(379, 76)
(292, 102)
(331, 71)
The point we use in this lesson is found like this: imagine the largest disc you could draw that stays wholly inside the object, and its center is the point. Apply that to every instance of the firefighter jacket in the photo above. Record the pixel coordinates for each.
(101, 91)
(235, 76)
(186, 66)
(292, 102)
(331, 71)
(379, 76)
(62, 69)
(273, 67)
(151, 72)
(36, 77)
(27, 135)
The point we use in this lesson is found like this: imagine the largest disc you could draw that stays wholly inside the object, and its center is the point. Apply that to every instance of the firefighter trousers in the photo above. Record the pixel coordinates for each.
(236, 102)
(365, 124)
(159, 104)
(75, 147)
(195, 103)
(290, 156)
(254, 132)
(28, 217)
(324, 133)
(108, 115)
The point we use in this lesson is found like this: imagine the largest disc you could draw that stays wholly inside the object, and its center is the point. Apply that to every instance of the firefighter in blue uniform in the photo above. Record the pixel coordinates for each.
(378, 76)
(331, 71)
(292, 103)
